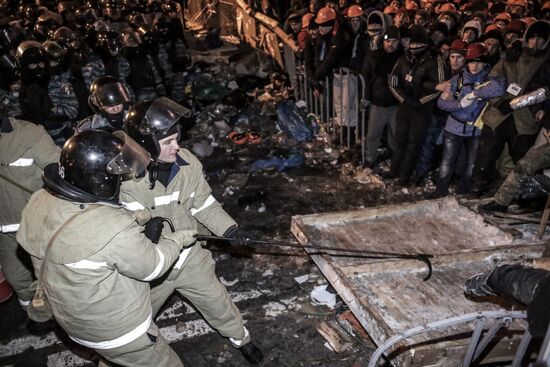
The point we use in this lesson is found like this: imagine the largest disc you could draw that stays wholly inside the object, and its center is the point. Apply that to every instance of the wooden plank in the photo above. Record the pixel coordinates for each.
(338, 341)
(389, 296)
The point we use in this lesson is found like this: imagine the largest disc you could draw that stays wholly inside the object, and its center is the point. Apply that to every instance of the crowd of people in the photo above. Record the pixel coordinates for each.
(108, 78)
(53, 51)
(436, 73)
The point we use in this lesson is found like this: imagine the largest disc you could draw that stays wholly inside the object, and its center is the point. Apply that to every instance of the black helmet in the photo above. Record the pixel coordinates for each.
(109, 42)
(66, 38)
(11, 35)
(148, 122)
(148, 35)
(91, 165)
(107, 91)
(169, 7)
(57, 57)
(32, 62)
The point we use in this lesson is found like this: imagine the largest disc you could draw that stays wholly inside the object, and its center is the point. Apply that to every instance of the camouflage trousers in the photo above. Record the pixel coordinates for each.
(537, 158)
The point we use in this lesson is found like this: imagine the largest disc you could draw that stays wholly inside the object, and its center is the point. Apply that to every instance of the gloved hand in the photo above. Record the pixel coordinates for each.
(153, 229)
(504, 107)
(184, 237)
(365, 103)
(467, 100)
(240, 237)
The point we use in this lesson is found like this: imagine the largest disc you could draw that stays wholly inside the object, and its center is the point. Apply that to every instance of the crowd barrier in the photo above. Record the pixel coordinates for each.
(339, 108)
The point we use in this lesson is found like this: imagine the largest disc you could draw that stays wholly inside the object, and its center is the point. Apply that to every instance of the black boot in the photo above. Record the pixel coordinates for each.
(252, 353)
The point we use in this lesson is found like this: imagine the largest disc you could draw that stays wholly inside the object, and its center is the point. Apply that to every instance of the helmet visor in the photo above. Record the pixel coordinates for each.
(112, 94)
(162, 115)
(132, 159)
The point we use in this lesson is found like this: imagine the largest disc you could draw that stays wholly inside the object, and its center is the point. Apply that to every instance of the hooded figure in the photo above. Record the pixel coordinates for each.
(376, 26)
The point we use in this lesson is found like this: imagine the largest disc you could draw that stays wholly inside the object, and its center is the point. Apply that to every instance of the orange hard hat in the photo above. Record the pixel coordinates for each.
(493, 27)
(505, 17)
(546, 5)
(306, 19)
(447, 7)
(390, 9)
(476, 52)
(355, 11)
(522, 3)
(325, 15)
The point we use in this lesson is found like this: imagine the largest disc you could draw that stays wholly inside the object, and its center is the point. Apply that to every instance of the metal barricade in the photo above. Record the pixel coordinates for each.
(477, 345)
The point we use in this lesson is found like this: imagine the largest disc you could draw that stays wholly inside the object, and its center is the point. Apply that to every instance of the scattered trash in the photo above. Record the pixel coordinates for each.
(233, 85)
(302, 279)
(262, 208)
(291, 122)
(203, 149)
(267, 273)
(320, 296)
(229, 283)
(280, 164)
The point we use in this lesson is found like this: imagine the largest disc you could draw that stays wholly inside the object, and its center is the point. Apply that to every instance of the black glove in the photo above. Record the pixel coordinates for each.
(239, 237)
(477, 285)
(504, 107)
(153, 229)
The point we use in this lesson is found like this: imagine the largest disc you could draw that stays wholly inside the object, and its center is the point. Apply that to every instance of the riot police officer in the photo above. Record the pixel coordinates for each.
(108, 99)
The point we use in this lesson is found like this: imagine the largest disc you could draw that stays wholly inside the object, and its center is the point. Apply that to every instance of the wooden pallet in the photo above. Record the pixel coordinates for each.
(389, 296)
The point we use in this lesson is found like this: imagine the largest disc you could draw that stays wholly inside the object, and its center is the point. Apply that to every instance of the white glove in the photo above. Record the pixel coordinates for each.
(467, 100)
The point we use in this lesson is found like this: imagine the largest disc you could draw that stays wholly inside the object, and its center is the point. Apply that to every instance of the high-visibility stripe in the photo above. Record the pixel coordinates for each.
(133, 206)
(24, 303)
(393, 83)
(239, 342)
(192, 194)
(183, 256)
(209, 201)
(166, 199)
(158, 268)
(120, 341)
(9, 228)
(87, 264)
(22, 162)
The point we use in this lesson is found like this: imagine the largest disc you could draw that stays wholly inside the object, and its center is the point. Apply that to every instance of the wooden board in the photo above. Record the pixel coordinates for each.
(389, 296)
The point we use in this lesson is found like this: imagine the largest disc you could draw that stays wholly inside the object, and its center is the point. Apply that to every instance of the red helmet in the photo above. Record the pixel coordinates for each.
(458, 46)
(325, 15)
(306, 20)
(390, 9)
(355, 11)
(476, 52)
(505, 17)
(447, 7)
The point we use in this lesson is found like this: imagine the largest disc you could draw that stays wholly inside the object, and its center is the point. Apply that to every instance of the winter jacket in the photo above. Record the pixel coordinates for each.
(187, 201)
(376, 70)
(529, 72)
(330, 53)
(460, 120)
(97, 269)
(25, 149)
(413, 80)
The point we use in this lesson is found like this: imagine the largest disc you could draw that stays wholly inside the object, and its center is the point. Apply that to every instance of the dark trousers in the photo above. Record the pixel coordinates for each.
(451, 148)
(427, 152)
(409, 136)
(491, 147)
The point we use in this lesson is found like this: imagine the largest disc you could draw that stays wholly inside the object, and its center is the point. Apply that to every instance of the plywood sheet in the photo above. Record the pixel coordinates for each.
(389, 296)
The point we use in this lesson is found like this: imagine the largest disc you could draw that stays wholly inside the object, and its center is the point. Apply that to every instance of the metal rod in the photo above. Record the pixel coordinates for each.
(425, 258)
(489, 336)
(473, 343)
(520, 353)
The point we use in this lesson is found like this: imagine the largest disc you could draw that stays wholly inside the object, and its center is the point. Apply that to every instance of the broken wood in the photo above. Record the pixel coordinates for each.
(388, 296)
(338, 340)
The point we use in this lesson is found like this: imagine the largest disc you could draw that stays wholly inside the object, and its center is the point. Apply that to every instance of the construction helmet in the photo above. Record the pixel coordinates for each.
(306, 20)
(325, 15)
(355, 11)
(476, 52)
